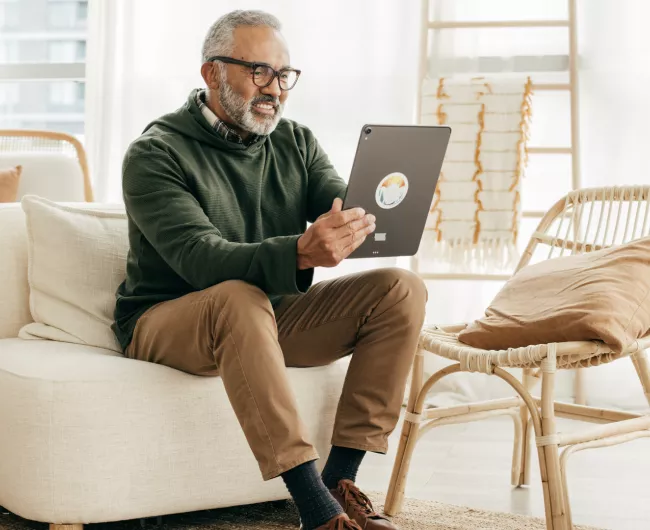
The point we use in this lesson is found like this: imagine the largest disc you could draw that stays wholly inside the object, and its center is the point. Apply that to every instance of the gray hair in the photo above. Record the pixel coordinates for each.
(219, 40)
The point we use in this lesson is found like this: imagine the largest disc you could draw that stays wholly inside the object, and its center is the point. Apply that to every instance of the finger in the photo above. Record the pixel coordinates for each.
(354, 237)
(337, 205)
(360, 224)
(340, 219)
(345, 231)
(354, 245)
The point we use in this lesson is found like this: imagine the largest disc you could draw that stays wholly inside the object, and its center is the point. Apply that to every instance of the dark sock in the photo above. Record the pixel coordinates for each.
(343, 463)
(314, 501)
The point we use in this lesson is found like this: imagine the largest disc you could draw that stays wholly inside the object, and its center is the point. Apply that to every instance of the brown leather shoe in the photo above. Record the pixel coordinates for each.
(340, 522)
(359, 508)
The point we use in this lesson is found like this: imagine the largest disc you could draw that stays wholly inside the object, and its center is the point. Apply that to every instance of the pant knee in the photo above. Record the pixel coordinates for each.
(407, 284)
(238, 296)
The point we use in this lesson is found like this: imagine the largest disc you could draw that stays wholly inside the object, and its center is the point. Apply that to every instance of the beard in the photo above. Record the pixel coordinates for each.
(242, 112)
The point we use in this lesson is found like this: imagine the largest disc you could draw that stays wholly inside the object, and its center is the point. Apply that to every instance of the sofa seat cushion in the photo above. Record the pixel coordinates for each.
(88, 435)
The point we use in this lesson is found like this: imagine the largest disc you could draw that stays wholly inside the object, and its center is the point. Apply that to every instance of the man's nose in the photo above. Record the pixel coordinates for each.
(273, 89)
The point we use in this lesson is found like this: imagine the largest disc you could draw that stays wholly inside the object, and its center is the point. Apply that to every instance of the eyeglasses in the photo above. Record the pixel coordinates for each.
(263, 74)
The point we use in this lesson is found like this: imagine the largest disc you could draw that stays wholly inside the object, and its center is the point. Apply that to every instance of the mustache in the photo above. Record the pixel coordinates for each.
(266, 99)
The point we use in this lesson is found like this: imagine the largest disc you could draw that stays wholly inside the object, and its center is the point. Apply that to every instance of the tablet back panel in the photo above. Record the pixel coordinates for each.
(394, 177)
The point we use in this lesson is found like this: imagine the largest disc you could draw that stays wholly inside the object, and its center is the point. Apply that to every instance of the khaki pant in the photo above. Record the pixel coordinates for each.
(231, 330)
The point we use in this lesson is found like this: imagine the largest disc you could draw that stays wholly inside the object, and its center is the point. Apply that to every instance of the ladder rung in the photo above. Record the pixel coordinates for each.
(463, 276)
(550, 150)
(551, 86)
(533, 214)
(499, 24)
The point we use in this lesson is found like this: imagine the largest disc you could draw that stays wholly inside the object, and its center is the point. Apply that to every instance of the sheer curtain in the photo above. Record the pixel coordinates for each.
(615, 128)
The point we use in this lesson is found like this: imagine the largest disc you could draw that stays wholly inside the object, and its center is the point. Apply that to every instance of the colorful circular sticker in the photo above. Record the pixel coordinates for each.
(391, 190)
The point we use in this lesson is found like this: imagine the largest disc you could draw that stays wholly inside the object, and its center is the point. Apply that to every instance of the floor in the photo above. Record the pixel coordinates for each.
(469, 464)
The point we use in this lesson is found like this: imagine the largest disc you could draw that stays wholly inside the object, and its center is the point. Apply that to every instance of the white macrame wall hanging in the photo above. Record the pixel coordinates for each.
(474, 218)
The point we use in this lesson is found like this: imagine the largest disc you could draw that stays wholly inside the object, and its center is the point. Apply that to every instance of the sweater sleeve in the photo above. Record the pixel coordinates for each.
(160, 203)
(324, 182)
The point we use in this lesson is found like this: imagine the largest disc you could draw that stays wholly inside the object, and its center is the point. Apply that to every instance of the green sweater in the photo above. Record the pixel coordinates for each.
(202, 210)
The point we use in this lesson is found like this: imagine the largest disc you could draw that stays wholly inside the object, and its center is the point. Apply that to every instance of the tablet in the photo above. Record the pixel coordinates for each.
(394, 177)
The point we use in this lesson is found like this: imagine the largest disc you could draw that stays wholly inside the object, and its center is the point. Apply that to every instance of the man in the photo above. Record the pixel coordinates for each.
(218, 196)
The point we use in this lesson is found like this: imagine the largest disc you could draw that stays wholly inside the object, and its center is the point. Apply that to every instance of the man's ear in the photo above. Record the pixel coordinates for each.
(210, 75)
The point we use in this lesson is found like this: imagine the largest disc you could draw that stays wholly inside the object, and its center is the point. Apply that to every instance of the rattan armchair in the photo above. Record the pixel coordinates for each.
(583, 221)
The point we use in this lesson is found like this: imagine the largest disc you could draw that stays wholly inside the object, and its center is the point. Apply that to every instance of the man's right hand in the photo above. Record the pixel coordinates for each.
(334, 236)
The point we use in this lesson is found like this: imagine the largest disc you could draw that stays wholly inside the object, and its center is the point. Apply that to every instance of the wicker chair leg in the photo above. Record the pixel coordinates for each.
(579, 386)
(560, 519)
(524, 476)
(407, 441)
(565, 485)
(640, 361)
(523, 479)
(518, 449)
(528, 461)
(551, 455)
(395, 495)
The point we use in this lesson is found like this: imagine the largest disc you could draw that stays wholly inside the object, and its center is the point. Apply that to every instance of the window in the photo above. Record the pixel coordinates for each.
(9, 97)
(8, 14)
(68, 14)
(42, 64)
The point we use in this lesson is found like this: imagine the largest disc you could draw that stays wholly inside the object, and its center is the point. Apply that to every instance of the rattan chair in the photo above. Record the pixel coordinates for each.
(583, 221)
(54, 164)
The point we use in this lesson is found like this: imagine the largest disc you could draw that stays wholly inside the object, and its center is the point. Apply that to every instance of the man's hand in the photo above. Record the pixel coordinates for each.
(334, 236)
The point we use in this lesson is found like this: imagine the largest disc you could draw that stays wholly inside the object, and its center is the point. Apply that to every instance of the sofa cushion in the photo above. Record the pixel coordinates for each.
(91, 436)
(9, 181)
(601, 295)
(14, 289)
(77, 259)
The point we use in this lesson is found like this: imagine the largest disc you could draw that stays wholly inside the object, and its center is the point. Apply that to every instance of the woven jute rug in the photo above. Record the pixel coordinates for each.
(416, 515)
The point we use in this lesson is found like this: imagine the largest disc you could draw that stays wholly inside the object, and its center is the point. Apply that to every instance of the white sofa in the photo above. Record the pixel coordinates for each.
(87, 435)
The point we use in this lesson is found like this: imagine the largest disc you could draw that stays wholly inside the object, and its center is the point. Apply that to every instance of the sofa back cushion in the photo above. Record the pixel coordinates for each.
(14, 289)
(77, 259)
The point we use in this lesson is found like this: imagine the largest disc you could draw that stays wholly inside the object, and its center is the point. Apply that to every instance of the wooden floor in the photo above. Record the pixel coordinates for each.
(469, 465)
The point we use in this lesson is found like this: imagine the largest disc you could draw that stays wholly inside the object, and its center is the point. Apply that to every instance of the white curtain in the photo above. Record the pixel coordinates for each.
(615, 127)
(359, 60)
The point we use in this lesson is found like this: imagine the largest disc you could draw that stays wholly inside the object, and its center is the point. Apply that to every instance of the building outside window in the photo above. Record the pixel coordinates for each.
(42, 64)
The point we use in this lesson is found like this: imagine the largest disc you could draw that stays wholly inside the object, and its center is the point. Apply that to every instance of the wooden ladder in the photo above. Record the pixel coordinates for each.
(428, 30)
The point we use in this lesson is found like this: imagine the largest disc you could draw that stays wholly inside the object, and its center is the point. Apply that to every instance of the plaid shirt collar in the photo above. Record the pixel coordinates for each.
(222, 128)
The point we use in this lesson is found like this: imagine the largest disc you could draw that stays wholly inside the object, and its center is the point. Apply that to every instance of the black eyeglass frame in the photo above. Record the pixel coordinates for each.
(253, 66)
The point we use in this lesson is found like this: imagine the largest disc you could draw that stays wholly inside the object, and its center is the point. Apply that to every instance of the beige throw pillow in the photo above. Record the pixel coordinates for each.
(77, 259)
(601, 295)
(9, 181)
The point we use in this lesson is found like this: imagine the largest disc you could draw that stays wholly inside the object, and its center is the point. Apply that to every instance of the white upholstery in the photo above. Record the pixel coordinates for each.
(14, 290)
(56, 176)
(89, 436)
(72, 292)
